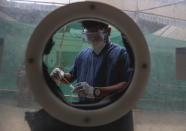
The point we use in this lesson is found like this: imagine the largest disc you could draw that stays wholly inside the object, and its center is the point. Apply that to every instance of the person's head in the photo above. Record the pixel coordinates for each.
(95, 25)
(95, 31)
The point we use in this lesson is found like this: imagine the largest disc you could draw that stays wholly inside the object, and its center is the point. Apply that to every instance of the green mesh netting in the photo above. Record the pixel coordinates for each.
(164, 92)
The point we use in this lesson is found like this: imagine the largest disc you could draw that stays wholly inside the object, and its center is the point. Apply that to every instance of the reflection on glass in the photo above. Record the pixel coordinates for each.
(164, 30)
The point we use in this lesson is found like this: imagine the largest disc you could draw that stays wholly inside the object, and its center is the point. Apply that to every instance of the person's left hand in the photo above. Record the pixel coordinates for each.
(84, 89)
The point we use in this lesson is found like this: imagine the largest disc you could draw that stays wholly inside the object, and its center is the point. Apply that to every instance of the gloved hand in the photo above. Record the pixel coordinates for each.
(84, 89)
(57, 74)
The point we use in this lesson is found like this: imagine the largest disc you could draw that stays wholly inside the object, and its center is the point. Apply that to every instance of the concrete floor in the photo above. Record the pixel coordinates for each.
(159, 120)
(12, 119)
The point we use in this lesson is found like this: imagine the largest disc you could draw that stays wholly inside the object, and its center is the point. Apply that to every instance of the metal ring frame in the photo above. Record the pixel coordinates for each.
(78, 11)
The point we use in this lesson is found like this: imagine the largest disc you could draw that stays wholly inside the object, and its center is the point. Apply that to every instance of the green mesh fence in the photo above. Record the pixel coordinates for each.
(163, 92)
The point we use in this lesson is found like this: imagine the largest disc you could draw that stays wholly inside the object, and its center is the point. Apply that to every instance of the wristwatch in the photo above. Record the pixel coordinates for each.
(97, 92)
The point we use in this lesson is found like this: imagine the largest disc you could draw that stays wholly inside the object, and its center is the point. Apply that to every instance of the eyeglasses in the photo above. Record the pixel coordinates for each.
(91, 36)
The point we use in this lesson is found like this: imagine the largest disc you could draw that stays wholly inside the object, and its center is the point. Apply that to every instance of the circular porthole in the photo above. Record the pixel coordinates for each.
(77, 12)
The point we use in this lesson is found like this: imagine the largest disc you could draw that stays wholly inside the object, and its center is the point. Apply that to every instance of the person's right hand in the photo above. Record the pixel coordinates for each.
(57, 74)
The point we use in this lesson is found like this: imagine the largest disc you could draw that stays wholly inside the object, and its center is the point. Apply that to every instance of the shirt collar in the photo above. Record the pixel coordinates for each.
(103, 50)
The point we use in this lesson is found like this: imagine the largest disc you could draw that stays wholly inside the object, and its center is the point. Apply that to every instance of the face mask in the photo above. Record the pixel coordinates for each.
(95, 39)
(98, 46)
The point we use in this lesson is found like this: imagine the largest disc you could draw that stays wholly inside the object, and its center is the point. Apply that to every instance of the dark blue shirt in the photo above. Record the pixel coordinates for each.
(110, 67)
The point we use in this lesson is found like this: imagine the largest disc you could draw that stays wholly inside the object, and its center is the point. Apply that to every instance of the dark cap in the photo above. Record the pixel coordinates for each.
(91, 23)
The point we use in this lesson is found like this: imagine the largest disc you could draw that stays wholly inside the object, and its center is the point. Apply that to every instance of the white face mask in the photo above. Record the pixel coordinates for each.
(95, 39)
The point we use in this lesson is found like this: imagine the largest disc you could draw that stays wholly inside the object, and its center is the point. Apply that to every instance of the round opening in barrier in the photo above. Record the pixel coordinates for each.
(47, 90)
(69, 51)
